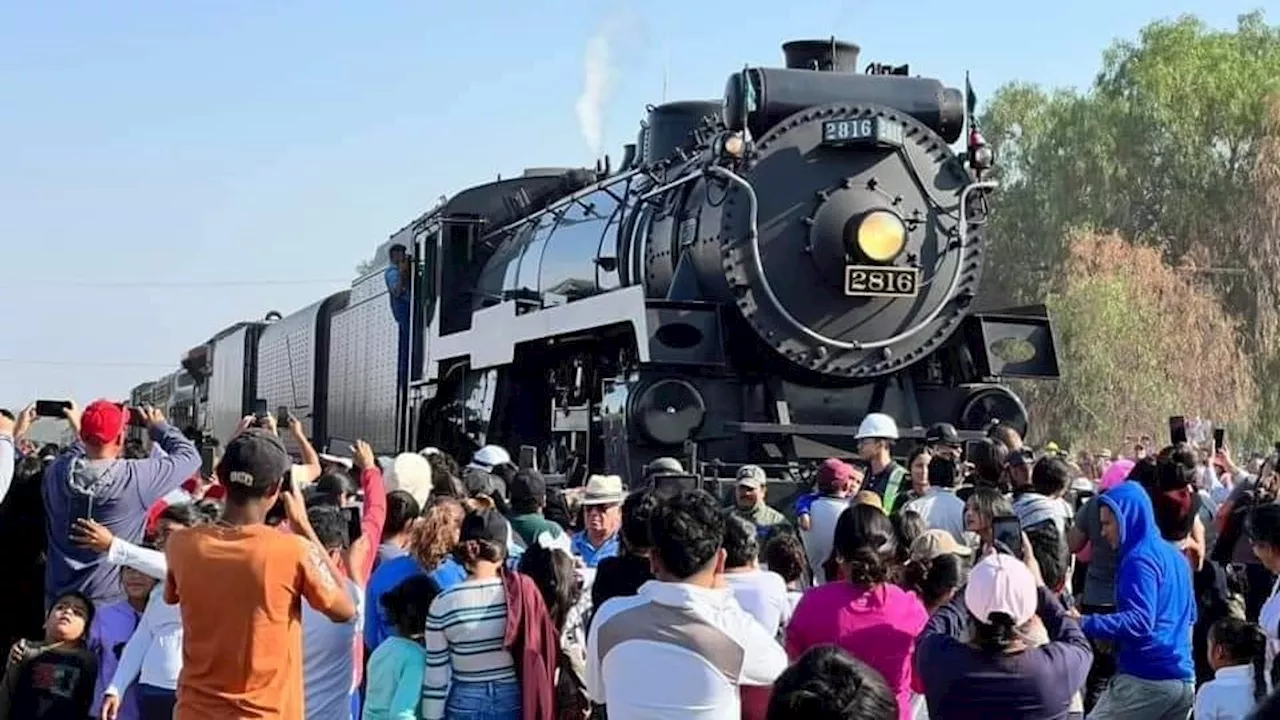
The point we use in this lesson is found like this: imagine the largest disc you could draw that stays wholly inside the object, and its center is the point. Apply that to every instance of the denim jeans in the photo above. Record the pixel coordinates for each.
(493, 700)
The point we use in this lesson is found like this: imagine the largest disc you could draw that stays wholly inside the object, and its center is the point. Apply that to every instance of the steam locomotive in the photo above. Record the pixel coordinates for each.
(760, 272)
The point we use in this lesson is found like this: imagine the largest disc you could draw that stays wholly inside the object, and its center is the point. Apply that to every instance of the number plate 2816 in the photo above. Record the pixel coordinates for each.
(877, 281)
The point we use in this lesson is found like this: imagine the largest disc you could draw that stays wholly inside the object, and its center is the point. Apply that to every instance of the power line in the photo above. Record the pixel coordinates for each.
(175, 283)
(84, 363)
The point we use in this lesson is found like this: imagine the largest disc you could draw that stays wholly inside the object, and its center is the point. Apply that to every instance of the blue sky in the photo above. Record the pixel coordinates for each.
(147, 146)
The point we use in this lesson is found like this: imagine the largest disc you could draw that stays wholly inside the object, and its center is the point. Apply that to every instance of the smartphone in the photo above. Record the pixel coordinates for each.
(353, 523)
(261, 413)
(137, 418)
(206, 461)
(339, 447)
(282, 416)
(52, 408)
(1007, 532)
(1083, 497)
(528, 459)
(1177, 429)
(1219, 439)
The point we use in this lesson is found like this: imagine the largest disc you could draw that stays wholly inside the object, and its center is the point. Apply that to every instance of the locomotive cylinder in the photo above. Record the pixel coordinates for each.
(781, 93)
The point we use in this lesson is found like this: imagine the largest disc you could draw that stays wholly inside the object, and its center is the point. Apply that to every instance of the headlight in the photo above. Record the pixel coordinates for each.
(881, 236)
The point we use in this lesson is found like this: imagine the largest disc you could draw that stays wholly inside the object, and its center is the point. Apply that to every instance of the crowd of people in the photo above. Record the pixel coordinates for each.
(975, 580)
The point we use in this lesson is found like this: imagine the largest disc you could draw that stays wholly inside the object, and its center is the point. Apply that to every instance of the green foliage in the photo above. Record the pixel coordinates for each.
(1130, 358)
(1169, 149)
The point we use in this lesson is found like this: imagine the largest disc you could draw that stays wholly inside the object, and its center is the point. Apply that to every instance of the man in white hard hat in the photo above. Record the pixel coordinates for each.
(875, 437)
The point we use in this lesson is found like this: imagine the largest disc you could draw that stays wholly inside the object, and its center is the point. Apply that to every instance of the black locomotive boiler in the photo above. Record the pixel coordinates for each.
(763, 271)
(760, 272)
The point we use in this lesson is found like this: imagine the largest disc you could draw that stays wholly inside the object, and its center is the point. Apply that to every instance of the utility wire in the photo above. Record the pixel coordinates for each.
(84, 363)
(174, 283)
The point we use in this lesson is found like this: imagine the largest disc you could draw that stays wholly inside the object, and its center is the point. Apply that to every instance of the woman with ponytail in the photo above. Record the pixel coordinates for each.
(1238, 654)
(983, 655)
(866, 614)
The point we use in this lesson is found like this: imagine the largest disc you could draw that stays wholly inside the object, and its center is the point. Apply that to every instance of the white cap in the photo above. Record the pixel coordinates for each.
(1001, 584)
(878, 426)
(491, 455)
(412, 473)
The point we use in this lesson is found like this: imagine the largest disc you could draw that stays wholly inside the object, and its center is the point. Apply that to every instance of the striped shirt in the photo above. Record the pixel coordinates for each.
(465, 631)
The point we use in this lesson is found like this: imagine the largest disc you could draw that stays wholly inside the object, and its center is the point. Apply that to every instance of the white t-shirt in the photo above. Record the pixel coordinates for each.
(328, 659)
(763, 594)
(677, 652)
(1269, 619)
(940, 509)
(819, 538)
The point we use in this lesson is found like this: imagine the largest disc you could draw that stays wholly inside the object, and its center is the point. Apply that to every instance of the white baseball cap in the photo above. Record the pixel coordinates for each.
(1001, 583)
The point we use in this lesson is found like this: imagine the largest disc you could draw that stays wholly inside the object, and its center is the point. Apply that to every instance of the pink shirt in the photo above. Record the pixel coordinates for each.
(878, 626)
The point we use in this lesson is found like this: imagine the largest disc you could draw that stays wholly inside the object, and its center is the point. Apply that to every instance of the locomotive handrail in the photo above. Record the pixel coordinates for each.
(673, 184)
(566, 200)
(955, 276)
(758, 265)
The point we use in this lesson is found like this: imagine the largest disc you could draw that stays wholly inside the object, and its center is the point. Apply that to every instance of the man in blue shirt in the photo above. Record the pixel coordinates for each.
(602, 519)
(398, 277)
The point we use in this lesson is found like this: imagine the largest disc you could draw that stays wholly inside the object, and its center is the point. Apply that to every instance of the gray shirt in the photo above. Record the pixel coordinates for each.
(1100, 580)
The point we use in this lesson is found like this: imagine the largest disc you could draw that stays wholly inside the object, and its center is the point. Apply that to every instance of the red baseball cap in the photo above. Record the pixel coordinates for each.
(103, 422)
(835, 474)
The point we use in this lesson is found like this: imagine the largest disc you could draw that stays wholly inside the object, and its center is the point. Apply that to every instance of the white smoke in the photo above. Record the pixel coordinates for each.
(597, 84)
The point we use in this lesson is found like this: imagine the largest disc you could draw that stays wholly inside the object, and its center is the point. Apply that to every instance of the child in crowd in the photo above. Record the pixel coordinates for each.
(784, 555)
(112, 627)
(804, 501)
(53, 679)
(826, 683)
(397, 666)
(1237, 652)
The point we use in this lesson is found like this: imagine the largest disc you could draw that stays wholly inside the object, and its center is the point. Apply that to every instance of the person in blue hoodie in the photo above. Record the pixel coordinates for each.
(91, 480)
(1155, 611)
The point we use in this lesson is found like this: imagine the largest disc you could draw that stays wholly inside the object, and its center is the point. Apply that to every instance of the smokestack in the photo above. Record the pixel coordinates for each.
(822, 55)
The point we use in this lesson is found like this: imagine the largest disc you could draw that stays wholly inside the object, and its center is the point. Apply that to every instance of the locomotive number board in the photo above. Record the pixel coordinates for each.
(877, 281)
(861, 131)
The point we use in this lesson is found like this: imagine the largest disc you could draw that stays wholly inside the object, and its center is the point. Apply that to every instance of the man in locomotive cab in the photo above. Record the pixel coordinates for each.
(399, 278)
(875, 437)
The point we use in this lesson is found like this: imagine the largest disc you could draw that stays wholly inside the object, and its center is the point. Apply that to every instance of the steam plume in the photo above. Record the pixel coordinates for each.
(596, 87)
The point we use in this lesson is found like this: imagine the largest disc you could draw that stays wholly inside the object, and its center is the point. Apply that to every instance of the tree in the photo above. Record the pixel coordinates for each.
(1171, 148)
(1160, 149)
(364, 267)
(1140, 341)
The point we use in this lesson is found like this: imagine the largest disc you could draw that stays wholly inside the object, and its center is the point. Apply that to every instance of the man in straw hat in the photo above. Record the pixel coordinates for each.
(601, 519)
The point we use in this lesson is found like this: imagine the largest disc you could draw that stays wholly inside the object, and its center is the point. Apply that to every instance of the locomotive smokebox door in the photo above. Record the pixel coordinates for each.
(854, 267)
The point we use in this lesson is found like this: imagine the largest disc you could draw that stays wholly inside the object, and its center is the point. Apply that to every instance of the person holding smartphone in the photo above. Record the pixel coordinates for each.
(90, 479)
(240, 585)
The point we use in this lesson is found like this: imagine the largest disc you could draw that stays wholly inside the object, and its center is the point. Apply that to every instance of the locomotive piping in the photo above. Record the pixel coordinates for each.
(674, 184)
(758, 265)
(955, 276)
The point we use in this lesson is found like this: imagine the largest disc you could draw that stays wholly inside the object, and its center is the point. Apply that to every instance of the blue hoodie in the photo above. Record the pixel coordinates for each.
(117, 493)
(1155, 605)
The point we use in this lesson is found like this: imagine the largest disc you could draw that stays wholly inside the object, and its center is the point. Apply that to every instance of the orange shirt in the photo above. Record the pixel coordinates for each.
(240, 590)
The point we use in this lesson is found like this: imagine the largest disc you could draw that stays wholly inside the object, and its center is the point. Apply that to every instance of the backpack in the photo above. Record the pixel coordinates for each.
(571, 699)
(1233, 529)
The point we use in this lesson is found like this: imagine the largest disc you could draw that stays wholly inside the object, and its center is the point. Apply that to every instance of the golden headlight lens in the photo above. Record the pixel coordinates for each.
(881, 236)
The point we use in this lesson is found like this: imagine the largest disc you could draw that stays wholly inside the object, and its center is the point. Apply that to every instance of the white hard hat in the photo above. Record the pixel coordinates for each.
(878, 426)
(491, 455)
